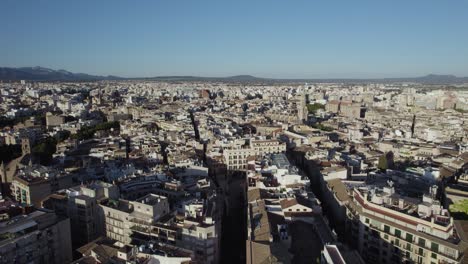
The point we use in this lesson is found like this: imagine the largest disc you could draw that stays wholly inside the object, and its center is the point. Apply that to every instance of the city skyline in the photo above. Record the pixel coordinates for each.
(257, 132)
(263, 39)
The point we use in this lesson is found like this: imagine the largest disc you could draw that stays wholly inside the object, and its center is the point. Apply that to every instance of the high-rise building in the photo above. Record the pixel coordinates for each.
(38, 237)
(80, 204)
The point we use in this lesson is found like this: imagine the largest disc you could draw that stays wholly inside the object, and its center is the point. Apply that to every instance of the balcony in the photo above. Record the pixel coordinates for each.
(141, 222)
(140, 229)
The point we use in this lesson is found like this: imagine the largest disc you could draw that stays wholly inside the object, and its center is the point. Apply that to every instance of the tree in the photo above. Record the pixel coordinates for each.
(322, 127)
(62, 135)
(88, 132)
(312, 108)
(45, 149)
(383, 162)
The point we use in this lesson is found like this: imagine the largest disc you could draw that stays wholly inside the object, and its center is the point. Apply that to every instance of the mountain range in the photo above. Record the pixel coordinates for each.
(44, 74)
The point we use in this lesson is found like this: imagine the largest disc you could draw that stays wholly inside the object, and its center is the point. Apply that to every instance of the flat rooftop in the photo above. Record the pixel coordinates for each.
(151, 199)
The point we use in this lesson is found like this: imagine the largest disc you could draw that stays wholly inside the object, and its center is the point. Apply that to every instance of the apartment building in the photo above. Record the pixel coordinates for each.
(333, 106)
(150, 219)
(389, 227)
(350, 109)
(121, 216)
(37, 237)
(81, 205)
(33, 184)
(237, 156)
(54, 120)
(344, 108)
(263, 147)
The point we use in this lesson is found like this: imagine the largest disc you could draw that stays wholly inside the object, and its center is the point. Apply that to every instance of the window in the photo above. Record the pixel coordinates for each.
(409, 237)
(397, 233)
(435, 247)
(434, 255)
(422, 242)
(420, 251)
(367, 220)
(386, 229)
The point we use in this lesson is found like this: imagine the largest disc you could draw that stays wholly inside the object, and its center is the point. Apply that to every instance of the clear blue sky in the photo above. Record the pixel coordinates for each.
(271, 38)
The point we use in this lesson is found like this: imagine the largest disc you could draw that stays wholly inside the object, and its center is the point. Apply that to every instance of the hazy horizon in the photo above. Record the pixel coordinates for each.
(245, 74)
(266, 39)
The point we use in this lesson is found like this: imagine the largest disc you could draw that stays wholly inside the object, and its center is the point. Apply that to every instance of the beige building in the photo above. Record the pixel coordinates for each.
(54, 120)
(236, 158)
(264, 130)
(121, 216)
(350, 109)
(344, 108)
(81, 205)
(333, 106)
(33, 184)
(390, 228)
(149, 219)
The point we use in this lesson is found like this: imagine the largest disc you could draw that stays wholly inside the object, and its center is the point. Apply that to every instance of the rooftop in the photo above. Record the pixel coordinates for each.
(151, 199)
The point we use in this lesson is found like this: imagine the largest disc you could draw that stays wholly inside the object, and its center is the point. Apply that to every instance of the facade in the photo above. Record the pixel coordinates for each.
(38, 237)
(54, 120)
(121, 215)
(236, 158)
(80, 204)
(350, 109)
(333, 106)
(390, 228)
(150, 219)
(33, 184)
(344, 108)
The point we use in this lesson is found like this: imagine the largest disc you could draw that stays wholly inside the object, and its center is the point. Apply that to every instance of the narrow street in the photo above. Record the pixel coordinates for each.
(234, 224)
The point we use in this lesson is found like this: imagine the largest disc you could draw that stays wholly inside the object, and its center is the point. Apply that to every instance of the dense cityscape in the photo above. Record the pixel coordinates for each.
(233, 172)
(233, 132)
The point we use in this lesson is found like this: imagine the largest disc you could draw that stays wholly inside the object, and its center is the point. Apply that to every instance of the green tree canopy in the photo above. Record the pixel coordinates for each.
(312, 108)
(383, 162)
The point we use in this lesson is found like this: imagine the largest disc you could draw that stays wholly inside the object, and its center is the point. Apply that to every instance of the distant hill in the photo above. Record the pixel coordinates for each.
(432, 79)
(45, 74)
(237, 78)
